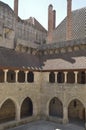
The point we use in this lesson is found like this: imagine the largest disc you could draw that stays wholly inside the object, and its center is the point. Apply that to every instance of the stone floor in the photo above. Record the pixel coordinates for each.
(47, 125)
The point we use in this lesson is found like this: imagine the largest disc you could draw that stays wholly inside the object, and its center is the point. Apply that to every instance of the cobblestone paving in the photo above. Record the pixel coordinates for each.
(47, 125)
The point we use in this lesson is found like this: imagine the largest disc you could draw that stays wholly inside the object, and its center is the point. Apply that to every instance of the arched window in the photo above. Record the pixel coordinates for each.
(70, 77)
(82, 77)
(1, 76)
(30, 77)
(21, 76)
(60, 77)
(11, 76)
(52, 77)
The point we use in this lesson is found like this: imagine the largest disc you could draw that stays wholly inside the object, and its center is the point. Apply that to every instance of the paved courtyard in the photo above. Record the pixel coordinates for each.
(47, 125)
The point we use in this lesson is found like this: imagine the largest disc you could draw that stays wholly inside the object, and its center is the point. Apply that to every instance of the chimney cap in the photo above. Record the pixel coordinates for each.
(69, 0)
(50, 6)
(54, 10)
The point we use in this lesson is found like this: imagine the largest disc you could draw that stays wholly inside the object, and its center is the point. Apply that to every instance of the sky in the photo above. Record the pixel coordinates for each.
(39, 9)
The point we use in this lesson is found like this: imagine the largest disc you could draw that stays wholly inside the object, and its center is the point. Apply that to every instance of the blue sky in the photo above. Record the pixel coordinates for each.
(39, 9)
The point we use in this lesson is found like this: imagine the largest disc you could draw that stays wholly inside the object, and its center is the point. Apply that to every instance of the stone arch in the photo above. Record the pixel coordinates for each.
(7, 111)
(76, 110)
(26, 108)
(55, 107)
(73, 98)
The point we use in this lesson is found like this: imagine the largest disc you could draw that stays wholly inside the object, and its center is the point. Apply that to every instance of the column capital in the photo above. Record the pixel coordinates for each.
(16, 71)
(56, 72)
(65, 72)
(5, 70)
(26, 71)
(5, 75)
(75, 72)
(16, 78)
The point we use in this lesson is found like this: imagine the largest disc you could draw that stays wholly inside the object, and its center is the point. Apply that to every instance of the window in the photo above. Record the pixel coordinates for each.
(60, 77)
(52, 77)
(82, 77)
(30, 77)
(12, 76)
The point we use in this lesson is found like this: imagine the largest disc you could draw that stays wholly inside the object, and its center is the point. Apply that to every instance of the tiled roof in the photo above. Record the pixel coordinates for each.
(78, 26)
(63, 61)
(36, 24)
(11, 58)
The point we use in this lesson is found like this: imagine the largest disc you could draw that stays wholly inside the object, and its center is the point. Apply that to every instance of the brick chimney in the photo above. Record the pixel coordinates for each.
(69, 20)
(16, 8)
(51, 22)
(54, 19)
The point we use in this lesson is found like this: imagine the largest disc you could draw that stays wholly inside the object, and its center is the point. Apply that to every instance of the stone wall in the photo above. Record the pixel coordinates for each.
(41, 93)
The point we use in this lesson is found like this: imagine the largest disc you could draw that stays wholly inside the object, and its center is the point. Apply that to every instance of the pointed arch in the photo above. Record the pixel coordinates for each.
(7, 111)
(76, 110)
(26, 108)
(55, 107)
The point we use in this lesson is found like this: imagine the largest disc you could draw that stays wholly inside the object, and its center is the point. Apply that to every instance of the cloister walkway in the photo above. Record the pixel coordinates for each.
(47, 125)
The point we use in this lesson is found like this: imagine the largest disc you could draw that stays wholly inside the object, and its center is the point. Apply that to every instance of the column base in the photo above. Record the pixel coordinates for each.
(65, 121)
(85, 126)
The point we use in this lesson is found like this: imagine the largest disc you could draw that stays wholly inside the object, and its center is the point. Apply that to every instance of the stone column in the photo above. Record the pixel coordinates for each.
(5, 75)
(26, 72)
(18, 114)
(65, 79)
(16, 77)
(65, 115)
(85, 118)
(75, 72)
(56, 73)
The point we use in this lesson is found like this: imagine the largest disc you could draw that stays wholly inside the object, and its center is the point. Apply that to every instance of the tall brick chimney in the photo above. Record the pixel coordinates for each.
(69, 20)
(16, 8)
(51, 22)
(54, 19)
